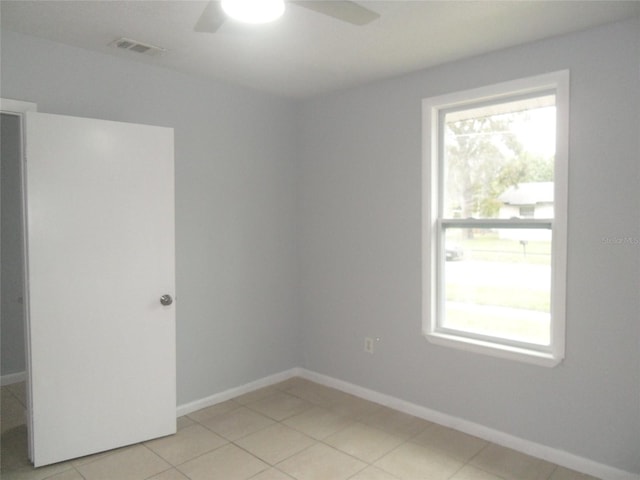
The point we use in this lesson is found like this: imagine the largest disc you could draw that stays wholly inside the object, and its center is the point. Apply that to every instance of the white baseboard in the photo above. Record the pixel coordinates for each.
(559, 457)
(236, 391)
(11, 378)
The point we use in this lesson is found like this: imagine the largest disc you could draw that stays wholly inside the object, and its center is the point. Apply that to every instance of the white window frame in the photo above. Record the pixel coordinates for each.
(432, 231)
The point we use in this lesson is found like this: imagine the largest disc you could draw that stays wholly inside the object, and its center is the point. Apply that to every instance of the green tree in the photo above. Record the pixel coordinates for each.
(484, 157)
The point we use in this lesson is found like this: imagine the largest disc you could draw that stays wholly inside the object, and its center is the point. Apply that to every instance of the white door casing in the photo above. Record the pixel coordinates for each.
(100, 249)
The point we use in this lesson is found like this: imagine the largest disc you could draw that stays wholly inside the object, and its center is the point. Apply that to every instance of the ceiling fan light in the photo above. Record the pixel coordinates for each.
(253, 11)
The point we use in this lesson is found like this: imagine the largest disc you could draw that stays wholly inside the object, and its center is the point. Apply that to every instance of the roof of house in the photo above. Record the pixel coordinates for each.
(529, 193)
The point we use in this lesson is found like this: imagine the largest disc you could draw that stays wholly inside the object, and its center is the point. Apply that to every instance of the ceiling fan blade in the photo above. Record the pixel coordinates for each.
(211, 19)
(344, 10)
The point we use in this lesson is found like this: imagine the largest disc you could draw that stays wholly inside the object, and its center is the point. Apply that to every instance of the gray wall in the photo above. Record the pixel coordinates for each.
(237, 307)
(360, 251)
(12, 358)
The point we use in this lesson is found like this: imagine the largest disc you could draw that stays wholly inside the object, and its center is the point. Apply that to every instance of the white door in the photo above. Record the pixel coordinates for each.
(100, 249)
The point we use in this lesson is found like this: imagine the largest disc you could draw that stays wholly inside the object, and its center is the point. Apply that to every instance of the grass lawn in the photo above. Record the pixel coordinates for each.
(487, 246)
(538, 300)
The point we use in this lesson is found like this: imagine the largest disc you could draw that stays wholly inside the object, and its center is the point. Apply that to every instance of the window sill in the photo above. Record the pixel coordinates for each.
(544, 359)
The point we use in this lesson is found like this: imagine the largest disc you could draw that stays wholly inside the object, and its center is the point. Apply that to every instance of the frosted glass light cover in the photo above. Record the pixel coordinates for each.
(253, 11)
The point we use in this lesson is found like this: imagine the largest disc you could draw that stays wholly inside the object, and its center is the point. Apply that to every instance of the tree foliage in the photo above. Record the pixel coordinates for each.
(484, 157)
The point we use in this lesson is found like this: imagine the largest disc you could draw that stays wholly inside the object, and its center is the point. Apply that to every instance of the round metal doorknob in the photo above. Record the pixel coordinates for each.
(166, 300)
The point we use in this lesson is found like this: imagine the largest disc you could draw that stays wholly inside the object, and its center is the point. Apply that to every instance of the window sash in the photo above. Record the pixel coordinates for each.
(537, 223)
(440, 288)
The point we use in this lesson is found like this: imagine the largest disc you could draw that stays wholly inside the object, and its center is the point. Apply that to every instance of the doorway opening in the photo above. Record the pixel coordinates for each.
(13, 358)
(12, 349)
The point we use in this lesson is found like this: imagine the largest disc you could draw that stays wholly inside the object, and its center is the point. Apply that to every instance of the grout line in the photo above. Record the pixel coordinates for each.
(457, 471)
(159, 473)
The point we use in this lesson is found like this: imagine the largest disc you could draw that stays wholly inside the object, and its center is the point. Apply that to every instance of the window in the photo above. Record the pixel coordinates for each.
(527, 211)
(495, 218)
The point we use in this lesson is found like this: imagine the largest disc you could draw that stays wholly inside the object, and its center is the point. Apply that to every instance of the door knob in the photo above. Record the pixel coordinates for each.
(166, 300)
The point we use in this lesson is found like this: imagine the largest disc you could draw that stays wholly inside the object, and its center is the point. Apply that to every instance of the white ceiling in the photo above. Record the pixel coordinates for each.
(306, 53)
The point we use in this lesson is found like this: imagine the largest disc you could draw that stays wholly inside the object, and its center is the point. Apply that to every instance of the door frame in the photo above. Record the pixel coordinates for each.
(19, 108)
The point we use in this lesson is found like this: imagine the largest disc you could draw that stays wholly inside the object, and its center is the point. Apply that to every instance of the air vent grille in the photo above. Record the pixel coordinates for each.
(138, 47)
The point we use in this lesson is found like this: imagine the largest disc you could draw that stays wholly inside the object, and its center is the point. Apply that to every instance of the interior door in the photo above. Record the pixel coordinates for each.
(100, 249)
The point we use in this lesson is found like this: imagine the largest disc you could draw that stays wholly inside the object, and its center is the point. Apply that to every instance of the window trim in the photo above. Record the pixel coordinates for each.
(432, 230)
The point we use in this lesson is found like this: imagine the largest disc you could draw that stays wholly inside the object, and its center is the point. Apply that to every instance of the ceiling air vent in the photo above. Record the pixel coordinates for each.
(138, 47)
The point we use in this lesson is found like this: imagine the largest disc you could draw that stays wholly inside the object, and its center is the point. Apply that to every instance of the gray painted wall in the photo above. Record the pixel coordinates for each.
(236, 297)
(12, 358)
(360, 251)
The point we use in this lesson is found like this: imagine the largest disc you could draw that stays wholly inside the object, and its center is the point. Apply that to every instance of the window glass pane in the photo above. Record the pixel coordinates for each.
(498, 160)
(498, 283)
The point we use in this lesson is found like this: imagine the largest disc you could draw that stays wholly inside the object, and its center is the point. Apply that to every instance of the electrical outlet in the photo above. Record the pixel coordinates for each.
(368, 344)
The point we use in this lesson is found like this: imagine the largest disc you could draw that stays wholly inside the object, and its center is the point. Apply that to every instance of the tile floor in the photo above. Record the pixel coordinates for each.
(296, 429)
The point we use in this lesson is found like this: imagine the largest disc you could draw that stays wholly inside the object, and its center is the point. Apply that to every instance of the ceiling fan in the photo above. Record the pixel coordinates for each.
(213, 16)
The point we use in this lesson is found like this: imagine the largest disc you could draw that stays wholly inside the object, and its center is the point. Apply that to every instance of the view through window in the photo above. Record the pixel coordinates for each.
(499, 164)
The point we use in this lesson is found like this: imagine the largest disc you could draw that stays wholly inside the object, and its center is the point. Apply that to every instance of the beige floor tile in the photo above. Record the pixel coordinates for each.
(321, 462)
(450, 442)
(317, 394)
(226, 463)
(132, 463)
(187, 443)
(472, 473)
(562, 473)
(280, 405)
(238, 423)
(373, 473)
(13, 444)
(296, 383)
(12, 414)
(512, 465)
(413, 462)
(172, 474)
(318, 422)
(50, 471)
(76, 462)
(355, 407)
(68, 475)
(275, 443)
(19, 390)
(5, 392)
(256, 395)
(395, 422)
(290, 382)
(184, 421)
(208, 412)
(271, 474)
(364, 442)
